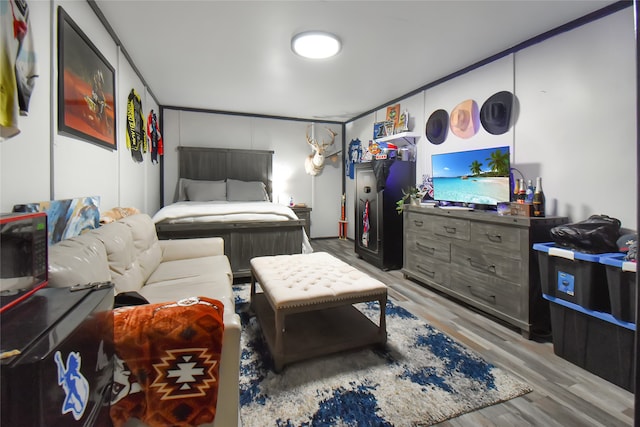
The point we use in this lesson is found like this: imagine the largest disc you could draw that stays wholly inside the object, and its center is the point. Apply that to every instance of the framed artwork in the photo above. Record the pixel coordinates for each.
(389, 127)
(86, 87)
(378, 130)
(393, 114)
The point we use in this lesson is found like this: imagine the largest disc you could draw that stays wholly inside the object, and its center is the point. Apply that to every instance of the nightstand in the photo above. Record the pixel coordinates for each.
(304, 213)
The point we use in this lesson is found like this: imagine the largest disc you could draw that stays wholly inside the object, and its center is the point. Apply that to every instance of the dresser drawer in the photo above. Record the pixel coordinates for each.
(415, 222)
(425, 247)
(500, 295)
(452, 228)
(494, 236)
(427, 270)
(486, 262)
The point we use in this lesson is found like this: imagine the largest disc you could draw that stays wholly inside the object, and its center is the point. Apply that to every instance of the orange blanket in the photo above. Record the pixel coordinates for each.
(167, 362)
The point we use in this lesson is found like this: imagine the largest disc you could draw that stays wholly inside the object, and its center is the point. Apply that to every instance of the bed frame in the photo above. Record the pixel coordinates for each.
(242, 240)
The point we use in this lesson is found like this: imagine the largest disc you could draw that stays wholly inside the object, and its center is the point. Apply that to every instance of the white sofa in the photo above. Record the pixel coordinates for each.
(128, 253)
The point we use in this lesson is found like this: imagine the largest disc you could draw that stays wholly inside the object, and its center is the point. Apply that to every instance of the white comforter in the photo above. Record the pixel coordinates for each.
(221, 211)
(189, 212)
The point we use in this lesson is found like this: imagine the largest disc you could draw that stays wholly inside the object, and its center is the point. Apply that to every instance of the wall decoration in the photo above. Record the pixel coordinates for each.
(355, 156)
(465, 119)
(378, 130)
(155, 138)
(393, 114)
(389, 127)
(437, 127)
(136, 136)
(495, 114)
(66, 218)
(86, 87)
(403, 122)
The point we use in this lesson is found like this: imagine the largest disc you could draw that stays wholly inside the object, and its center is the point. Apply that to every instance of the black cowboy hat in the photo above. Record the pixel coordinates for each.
(495, 114)
(437, 126)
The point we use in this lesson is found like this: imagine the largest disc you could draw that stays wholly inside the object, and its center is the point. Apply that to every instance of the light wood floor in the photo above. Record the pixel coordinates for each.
(564, 394)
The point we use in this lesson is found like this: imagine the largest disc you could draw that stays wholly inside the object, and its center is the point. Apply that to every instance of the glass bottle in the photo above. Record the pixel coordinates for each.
(538, 199)
(516, 190)
(522, 192)
(530, 191)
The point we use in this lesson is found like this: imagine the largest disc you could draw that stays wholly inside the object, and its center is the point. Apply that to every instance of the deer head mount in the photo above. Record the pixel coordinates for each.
(314, 163)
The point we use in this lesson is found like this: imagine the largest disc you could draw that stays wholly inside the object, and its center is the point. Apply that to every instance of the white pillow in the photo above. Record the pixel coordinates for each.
(246, 191)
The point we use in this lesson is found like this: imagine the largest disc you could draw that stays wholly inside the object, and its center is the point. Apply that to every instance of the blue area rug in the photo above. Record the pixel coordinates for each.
(420, 378)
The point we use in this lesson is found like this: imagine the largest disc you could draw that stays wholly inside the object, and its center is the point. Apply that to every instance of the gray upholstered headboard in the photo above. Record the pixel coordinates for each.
(212, 164)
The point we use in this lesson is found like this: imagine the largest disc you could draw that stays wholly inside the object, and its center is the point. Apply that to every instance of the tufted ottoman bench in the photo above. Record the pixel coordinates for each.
(306, 307)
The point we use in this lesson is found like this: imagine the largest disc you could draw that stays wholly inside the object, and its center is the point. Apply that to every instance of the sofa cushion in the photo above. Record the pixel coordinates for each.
(126, 273)
(145, 241)
(174, 280)
(78, 260)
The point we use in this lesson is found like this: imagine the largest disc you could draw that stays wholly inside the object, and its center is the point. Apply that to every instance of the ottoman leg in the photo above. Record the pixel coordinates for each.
(383, 319)
(278, 356)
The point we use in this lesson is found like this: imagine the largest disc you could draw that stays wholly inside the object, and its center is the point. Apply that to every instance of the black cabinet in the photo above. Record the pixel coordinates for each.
(378, 225)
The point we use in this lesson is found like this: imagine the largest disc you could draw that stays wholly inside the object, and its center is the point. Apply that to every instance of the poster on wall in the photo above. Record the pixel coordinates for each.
(86, 87)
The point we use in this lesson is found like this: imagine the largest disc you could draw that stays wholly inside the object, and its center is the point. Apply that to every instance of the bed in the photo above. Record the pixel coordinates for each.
(228, 193)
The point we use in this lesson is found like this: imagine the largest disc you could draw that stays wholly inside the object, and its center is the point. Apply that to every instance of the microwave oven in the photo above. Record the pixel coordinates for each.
(23, 256)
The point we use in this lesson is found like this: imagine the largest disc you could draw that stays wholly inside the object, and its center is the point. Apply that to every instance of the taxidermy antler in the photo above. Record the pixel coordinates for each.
(314, 163)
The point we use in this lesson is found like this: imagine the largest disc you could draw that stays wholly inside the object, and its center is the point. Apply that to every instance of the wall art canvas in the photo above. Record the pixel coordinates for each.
(66, 218)
(86, 87)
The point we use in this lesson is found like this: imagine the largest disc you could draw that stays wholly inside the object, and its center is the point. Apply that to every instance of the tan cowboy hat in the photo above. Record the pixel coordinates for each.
(465, 119)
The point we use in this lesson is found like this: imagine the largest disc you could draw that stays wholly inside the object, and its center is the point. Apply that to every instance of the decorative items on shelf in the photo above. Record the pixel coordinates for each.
(389, 128)
(403, 122)
(393, 114)
(394, 123)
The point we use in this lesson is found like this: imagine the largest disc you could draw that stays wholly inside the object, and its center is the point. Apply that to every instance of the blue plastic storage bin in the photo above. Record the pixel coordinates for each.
(573, 276)
(595, 341)
(621, 280)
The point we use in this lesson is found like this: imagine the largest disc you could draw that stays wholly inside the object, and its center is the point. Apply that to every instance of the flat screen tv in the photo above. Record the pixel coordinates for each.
(472, 177)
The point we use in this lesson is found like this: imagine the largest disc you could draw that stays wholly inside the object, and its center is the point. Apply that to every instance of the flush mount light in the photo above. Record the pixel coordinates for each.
(315, 44)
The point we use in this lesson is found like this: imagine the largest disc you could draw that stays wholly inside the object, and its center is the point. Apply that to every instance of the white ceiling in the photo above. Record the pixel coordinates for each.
(236, 56)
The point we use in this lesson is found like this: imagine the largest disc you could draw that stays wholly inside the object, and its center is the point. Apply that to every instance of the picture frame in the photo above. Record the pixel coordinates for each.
(393, 114)
(379, 130)
(389, 127)
(86, 87)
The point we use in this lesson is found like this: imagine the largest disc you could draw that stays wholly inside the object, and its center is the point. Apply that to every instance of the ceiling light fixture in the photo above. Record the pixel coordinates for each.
(315, 44)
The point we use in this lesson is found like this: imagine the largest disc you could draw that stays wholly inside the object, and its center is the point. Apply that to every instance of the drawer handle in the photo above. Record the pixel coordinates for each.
(494, 238)
(429, 273)
(489, 298)
(490, 268)
(424, 248)
(450, 230)
(418, 223)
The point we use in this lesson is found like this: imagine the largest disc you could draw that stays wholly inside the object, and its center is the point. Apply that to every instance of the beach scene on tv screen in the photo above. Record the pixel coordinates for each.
(473, 176)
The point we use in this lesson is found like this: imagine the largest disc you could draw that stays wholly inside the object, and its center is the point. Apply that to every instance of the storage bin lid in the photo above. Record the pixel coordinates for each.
(617, 260)
(553, 250)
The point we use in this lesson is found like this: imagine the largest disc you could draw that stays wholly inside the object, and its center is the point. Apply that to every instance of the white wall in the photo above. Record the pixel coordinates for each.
(40, 164)
(576, 125)
(288, 141)
(24, 159)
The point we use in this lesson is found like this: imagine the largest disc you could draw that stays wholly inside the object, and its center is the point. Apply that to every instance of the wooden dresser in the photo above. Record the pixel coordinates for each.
(481, 258)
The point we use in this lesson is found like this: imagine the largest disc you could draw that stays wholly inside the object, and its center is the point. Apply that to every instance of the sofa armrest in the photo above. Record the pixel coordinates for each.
(191, 248)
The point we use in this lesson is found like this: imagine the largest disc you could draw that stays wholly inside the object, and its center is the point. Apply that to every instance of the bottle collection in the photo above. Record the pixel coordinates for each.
(528, 194)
